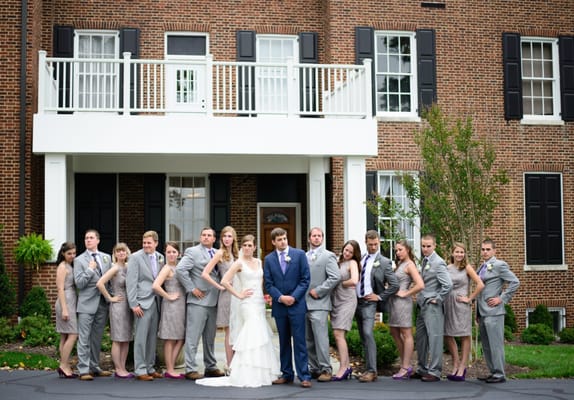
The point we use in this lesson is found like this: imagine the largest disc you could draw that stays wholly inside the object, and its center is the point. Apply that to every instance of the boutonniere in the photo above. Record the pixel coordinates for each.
(160, 259)
(313, 257)
(287, 259)
(489, 267)
(106, 260)
(376, 264)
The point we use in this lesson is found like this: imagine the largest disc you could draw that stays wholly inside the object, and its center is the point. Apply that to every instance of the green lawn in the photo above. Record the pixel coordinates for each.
(554, 361)
(14, 359)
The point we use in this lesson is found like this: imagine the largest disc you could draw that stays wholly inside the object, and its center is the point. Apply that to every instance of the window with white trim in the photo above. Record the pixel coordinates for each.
(96, 83)
(540, 78)
(395, 73)
(187, 209)
(393, 193)
(558, 317)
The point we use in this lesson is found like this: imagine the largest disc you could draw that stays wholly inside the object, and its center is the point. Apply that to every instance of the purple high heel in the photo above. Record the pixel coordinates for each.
(346, 375)
(457, 378)
(403, 377)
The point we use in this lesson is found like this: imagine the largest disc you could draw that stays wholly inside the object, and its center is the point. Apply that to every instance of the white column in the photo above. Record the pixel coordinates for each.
(316, 210)
(55, 200)
(355, 188)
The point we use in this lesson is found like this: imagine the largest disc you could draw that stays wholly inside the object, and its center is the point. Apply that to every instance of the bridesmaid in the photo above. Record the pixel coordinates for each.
(66, 319)
(401, 306)
(458, 310)
(223, 259)
(121, 317)
(172, 322)
(344, 303)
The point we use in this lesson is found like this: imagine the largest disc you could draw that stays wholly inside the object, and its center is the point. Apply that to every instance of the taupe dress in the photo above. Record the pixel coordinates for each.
(121, 316)
(344, 301)
(457, 315)
(172, 322)
(224, 301)
(401, 309)
(71, 325)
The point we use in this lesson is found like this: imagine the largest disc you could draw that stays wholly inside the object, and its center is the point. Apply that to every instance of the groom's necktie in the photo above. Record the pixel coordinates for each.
(282, 261)
(363, 273)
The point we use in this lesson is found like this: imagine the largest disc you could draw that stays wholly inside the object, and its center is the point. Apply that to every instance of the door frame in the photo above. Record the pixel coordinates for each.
(297, 206)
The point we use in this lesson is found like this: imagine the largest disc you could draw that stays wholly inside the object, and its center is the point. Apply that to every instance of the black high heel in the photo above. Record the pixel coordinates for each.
(63, 375)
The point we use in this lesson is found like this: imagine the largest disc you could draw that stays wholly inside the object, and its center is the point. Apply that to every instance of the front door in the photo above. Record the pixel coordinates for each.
(282, 216)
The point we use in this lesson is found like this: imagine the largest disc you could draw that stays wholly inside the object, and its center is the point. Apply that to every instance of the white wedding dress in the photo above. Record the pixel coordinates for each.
(255, 362)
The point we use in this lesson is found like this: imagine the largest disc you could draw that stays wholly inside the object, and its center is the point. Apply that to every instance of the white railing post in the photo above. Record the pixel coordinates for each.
(291, 93)
(209, 85)
(41, 81)
(368, 88)
(127, 78)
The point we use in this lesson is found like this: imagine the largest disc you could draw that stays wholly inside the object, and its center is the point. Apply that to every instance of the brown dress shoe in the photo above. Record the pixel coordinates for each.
(369, 376)
(214, 373)
(144, 377)
(306, 384)
(86, 377)
(156, 375)
(324, 377)
(430, 378)
(193, 375)
(101, 373)
(281, 381)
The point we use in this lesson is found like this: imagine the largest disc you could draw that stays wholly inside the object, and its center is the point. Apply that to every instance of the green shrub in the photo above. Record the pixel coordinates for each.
(37, 331)
(106, 340)
(6, 331)
(387, 352)
(7, 292)
(510, 319)
(567, 335)
(538, 334)
(36, 304)
(541, 315)
(508, 335)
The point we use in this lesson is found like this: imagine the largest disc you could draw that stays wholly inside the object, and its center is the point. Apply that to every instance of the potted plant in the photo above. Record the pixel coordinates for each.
(33, 250)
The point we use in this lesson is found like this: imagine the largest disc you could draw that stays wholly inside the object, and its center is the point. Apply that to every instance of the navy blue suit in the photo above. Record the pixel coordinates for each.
(290, 320)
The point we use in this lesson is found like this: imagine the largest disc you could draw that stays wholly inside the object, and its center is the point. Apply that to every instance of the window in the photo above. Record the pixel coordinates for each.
(540, 78)
(395, 73)
(187, 209)
(543, 219)
(96, 83)
(271, 82)
(558, 317)
(394, 195)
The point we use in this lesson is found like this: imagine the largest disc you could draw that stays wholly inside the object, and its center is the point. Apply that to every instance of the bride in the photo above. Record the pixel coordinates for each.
(255, 362)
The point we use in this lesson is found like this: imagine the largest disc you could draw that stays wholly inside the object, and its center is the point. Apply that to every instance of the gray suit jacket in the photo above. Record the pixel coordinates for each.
(325, 275)
(383, 280)
(86, 278)
(437, 281)
(188, 272)
(496, 275)
(139, 279)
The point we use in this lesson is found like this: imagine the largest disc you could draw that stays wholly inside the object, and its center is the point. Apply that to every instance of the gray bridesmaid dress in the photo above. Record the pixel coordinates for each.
(121, 316)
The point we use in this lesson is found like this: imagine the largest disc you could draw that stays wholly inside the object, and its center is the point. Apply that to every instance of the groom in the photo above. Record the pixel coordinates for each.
(287, 280)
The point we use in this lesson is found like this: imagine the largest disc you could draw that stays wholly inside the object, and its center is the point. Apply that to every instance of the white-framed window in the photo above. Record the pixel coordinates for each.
(271, 82)
(396, 74)
(185, 82)
(391, 190)
(540, 79)
(96, 83)
(558, 317)
(187, 209)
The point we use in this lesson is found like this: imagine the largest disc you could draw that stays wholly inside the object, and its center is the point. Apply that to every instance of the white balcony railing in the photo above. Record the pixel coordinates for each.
(208, 87)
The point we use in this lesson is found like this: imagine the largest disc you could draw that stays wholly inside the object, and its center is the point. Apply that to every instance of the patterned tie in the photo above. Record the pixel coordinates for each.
(282, 262)
(153, 263)
(211, 254)
(98, 269)
(363, 270)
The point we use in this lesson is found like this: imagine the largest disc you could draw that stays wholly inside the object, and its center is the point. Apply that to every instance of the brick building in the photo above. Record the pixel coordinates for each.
(172, 115)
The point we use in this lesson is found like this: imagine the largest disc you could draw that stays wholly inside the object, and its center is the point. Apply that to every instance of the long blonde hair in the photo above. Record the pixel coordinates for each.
(227, 255)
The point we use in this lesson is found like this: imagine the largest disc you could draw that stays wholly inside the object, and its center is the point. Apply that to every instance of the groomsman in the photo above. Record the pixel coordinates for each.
(201, 305)
(143, 267)
(324, 277)
(490, 309)
(430, 319)
(92, 307)
(377, 282)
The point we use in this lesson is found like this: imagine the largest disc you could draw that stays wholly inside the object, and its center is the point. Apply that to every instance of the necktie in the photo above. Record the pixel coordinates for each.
(153, 263)
(282, 261)
(211, 254)
(98, 269)
(424, 264)
(482, 271)
(310, 255)
(363, 270)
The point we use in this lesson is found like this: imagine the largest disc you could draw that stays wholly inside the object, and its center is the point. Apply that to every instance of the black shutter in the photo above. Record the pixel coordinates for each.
(129, 41)
(154, 206)
(370, 195)
(365, 48)
(220, 200)
(426, 67)
(63, 46)
(566, 54)
(512, 76)
(308, 54)
(543, 203)
(246, 80)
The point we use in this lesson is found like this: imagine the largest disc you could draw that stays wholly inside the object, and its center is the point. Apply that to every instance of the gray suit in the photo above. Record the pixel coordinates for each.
(430, 319)
(325, 275)
(139, 281)
(495, 275)
(92, 310)
(201, 312)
